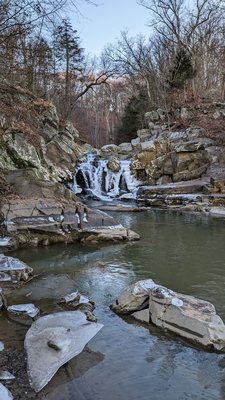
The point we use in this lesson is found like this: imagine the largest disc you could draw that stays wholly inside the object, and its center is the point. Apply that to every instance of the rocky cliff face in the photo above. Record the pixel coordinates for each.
(163, 154)
(32, 135)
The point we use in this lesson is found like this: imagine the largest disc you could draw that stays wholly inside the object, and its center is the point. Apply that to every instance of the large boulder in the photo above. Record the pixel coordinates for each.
(191, 318)
(52, 341)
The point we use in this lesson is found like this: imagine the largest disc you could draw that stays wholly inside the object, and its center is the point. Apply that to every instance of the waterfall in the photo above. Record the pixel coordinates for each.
(93, 177)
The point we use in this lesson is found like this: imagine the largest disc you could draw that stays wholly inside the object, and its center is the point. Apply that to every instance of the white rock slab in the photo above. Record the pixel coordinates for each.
(2, 346)
(5, 393)
(52, 341)
(25, 309)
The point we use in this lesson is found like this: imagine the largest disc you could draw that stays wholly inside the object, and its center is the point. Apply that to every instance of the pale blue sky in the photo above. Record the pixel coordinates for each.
(103, 24)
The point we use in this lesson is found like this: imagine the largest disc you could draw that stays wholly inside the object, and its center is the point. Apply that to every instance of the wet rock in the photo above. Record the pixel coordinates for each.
(191, 318)
(6, 376)
(24, 309)
(2, 346)
(5, 393)
(67, 333)
(14, 270)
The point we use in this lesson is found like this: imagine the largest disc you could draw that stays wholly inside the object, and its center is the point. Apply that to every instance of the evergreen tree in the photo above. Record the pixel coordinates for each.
(68, 55)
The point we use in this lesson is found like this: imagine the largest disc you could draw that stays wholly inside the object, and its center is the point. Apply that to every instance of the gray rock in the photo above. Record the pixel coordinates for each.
(125, 147)
(143, 133)
(5, 393)
(52, 341)
(191, 318)
(2, 346)
(24, 309)
(12, 269)
(142, 316)
(134, 298)
(6, 376)
(187, 316)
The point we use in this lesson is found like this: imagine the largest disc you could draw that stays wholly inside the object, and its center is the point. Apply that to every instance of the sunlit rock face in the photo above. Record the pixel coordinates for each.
(191, 318)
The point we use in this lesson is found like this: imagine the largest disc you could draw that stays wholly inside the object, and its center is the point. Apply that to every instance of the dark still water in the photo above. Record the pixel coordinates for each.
(126, 361)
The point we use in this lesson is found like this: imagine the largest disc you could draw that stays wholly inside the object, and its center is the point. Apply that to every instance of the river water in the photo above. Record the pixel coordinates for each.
(127, 361)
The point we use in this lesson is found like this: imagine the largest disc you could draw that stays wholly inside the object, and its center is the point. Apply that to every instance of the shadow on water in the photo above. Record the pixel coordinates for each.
(127, 361)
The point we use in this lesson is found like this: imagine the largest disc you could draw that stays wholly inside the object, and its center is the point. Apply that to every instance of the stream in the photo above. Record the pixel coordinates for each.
(127, 361)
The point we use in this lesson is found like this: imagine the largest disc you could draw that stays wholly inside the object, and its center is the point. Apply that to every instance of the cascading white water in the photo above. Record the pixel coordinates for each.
(95, 178)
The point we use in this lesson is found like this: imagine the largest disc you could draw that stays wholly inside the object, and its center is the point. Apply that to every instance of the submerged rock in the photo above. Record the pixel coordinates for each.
(187, 316)
(5, 393)
(24, 309)
(52, 341)
(12, 269)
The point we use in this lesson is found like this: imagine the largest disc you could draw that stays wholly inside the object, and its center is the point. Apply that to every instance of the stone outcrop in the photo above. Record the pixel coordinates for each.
(52, 341)
(48, 220)
(191, 318)
(32, 135)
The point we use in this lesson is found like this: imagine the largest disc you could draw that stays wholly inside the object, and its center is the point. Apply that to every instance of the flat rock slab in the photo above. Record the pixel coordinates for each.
(5, 393)
(112, 233)
(52, 341)
(24, 309)
(195, 186)
(14, 270)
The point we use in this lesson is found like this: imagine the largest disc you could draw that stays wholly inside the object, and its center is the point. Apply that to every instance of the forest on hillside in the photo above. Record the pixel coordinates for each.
(182, 61)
